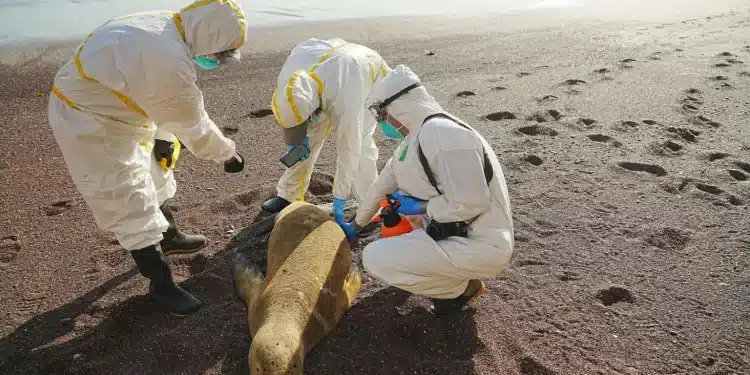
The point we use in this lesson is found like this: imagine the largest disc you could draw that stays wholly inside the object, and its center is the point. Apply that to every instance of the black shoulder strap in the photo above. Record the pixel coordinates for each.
(488, 171)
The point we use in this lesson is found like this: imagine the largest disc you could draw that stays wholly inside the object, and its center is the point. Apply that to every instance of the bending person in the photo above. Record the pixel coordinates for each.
(131, 81)
(460, 191)
(322, 88)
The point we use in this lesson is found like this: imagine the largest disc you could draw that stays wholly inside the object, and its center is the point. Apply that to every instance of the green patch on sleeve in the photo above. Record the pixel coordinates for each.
(403, 153)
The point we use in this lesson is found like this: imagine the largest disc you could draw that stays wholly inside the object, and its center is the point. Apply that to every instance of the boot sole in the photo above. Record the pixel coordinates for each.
(175, 314)
(471, 299)
(184, 251)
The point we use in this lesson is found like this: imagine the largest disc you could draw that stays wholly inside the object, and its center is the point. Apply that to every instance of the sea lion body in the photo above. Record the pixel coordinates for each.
(309, 285)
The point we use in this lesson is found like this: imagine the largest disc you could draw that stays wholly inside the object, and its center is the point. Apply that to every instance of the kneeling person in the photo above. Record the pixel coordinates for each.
(445, 170)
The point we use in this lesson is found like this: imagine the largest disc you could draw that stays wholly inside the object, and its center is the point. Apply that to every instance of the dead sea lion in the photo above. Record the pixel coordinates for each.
(310, 284)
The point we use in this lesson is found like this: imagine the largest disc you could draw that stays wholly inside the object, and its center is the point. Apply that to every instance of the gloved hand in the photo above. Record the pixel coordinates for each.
(235, 164)
(163, 150)
(306, 142)
(351, 230)
(338, 211)
(410, 205)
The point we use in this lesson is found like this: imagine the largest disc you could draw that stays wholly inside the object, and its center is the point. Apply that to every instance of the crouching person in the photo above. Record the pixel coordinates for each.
(446, 171)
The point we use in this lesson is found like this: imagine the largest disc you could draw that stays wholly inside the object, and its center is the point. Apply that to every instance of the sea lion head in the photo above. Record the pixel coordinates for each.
(274, 351)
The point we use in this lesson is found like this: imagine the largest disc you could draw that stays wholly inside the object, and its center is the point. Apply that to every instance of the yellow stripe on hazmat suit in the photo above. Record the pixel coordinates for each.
(337, 76)
(130, 81)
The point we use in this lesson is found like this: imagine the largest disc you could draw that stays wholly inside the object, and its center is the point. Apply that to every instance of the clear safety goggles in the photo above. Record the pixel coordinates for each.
(378, 109)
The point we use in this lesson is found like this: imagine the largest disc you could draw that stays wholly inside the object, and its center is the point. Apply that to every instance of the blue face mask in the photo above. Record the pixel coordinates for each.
(389, 130)
(206, 62)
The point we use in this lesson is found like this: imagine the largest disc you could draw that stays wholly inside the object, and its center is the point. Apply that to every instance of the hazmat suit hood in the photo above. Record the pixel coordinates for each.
(293, 103)
(213, 26)
(411, 108)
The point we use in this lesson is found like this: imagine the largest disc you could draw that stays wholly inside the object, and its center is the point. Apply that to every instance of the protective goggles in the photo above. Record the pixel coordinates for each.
(378, 109)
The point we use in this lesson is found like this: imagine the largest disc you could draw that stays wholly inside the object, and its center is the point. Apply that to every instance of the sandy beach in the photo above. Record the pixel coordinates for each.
(626, 149)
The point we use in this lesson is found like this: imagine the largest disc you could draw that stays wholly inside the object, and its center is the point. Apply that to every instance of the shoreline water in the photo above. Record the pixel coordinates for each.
(284, 34)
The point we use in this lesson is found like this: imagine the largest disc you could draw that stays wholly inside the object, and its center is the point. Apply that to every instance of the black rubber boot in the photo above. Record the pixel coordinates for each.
(473, 291)
(153, 265)
(176, 242)
(275, 204)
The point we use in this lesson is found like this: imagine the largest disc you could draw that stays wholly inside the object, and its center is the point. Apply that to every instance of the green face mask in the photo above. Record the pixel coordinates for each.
(206, 62)
(389, 130)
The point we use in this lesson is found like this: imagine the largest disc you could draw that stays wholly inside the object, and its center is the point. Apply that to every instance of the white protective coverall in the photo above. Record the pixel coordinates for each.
(337, 76)
(414, 261)
(133, 79)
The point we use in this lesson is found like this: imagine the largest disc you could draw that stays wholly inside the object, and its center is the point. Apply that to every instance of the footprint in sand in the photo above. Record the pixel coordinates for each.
(693, 91)
(711, 189)
(10, 246)
(114, 257)
(735, 61)
(705, 121)
(737, 175)
(744, 74)
(545, 116)
(230, 130)
(30, 302)
(672, 146)
(546, 99)
(722, 65)
(499, 88)
(599, 138)
(717, 156)
(574, 82)
(655, 56)
(604, 74)
(742, 165)
(614, 294)
(533, 160)
(502, 115)
(719, 78)
(717, 191)
(464, 94)
(535, 130)
(684, 133)
(523, 74)
(259, 113)
(248, 198)
(641, 167)
(650, 122)
(528, 365)
(59, 207)
(626, 126)
(725, 54)
(587, 122)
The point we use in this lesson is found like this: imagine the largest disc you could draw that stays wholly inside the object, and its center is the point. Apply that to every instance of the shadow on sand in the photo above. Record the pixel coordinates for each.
(379, 335)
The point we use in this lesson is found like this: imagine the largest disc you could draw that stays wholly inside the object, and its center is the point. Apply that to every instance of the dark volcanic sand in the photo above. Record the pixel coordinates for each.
(629, 189)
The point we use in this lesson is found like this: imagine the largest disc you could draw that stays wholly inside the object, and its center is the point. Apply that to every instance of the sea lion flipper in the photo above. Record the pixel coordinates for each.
(352, 284)
(248, 279)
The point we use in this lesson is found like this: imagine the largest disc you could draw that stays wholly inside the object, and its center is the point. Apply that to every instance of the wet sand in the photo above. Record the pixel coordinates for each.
(626, 150)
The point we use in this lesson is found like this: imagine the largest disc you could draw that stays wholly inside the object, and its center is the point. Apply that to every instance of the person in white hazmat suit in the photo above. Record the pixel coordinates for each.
(321, 89)
(131, 81)
(458, 187)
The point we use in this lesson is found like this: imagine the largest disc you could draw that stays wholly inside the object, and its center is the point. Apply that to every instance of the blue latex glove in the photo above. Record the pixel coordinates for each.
(306, 142)
(338, 211)
(409, 205)
(350, 230)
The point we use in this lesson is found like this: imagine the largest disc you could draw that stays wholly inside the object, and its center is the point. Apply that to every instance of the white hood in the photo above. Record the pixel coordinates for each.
(411, 108)
(213, 26)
